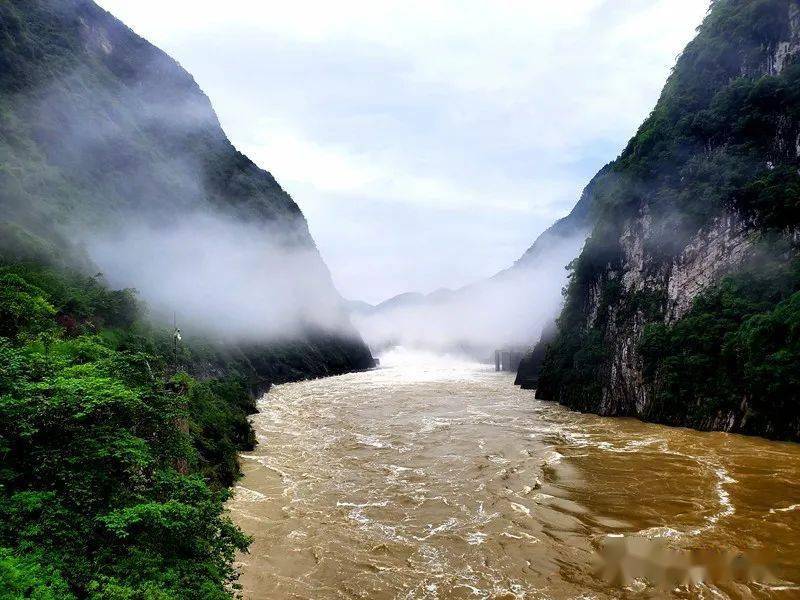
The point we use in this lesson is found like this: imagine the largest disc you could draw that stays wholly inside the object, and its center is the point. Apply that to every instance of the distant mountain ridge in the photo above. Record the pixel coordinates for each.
(488, 314)
(577, 223)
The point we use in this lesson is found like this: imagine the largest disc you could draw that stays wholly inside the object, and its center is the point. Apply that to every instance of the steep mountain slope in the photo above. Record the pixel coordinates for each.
(115, 465)
(112, 123)
(105, 137)
(682, 307)
(576, 224)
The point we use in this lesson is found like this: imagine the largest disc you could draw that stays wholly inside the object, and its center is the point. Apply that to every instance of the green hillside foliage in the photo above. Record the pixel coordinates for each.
(115, 467)
(118, 448)
(740, 341)
(100, 129)
(97, 124)
(27, 577)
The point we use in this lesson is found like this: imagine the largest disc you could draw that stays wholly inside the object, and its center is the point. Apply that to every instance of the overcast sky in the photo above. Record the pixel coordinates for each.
(428, 142)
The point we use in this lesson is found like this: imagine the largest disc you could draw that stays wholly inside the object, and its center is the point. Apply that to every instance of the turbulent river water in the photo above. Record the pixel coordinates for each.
(440, 479)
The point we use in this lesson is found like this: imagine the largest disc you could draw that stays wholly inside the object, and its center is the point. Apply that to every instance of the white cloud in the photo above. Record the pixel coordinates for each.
(299, 161)
(295, 159)
(400, 125)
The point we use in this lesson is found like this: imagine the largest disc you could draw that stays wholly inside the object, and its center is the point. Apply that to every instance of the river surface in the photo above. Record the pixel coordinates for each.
(440, 479)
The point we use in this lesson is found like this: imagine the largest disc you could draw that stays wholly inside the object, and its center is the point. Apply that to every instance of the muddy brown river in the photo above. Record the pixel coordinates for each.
(434, 478)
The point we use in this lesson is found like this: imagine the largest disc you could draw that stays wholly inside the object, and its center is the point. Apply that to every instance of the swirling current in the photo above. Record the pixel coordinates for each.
(436, 478)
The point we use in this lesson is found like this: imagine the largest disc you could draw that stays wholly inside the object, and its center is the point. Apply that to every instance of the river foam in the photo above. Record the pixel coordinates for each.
(440, 479)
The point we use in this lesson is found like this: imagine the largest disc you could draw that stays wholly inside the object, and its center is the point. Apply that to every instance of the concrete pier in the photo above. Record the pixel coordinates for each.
(507, 359)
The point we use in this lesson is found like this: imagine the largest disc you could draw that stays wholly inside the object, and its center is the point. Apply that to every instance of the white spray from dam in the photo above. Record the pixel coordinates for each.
(510, 309)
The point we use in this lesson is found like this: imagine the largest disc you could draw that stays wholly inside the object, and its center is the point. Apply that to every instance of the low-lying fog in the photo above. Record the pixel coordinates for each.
(222, 276)
(244, 281)
(508, 310)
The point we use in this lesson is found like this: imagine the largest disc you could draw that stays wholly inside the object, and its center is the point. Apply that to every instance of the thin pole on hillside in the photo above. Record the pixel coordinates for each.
(176, 337)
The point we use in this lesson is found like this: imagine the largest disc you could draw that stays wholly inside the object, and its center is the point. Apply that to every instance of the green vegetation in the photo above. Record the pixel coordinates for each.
(722, 139)
(96, 124)
(117, 452)
(740, 342)
(98, 130)
(114, 468)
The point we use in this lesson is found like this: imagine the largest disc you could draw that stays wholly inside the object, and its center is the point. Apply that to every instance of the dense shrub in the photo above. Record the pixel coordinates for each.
(29, 578)
(740, 341)
(114, 471)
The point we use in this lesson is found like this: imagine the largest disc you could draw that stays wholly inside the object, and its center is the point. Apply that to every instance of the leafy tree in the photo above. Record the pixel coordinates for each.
(114, 472)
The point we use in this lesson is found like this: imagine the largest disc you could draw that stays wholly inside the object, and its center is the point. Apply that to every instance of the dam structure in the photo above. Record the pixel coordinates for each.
(507, 359)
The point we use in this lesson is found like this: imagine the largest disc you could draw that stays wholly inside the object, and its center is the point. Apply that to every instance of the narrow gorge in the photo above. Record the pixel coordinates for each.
(191, 410)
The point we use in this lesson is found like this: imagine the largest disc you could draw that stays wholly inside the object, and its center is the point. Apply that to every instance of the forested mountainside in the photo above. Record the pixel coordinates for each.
(684, 305)
(118, 443)
(104, 121)
(114, 462)
(101, 132)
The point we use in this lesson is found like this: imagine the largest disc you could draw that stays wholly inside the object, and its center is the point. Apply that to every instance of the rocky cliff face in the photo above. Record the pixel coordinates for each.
(694, 246)
(712, 252)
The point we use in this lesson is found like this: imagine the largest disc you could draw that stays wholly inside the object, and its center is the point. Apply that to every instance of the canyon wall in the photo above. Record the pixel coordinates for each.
(682, 306)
